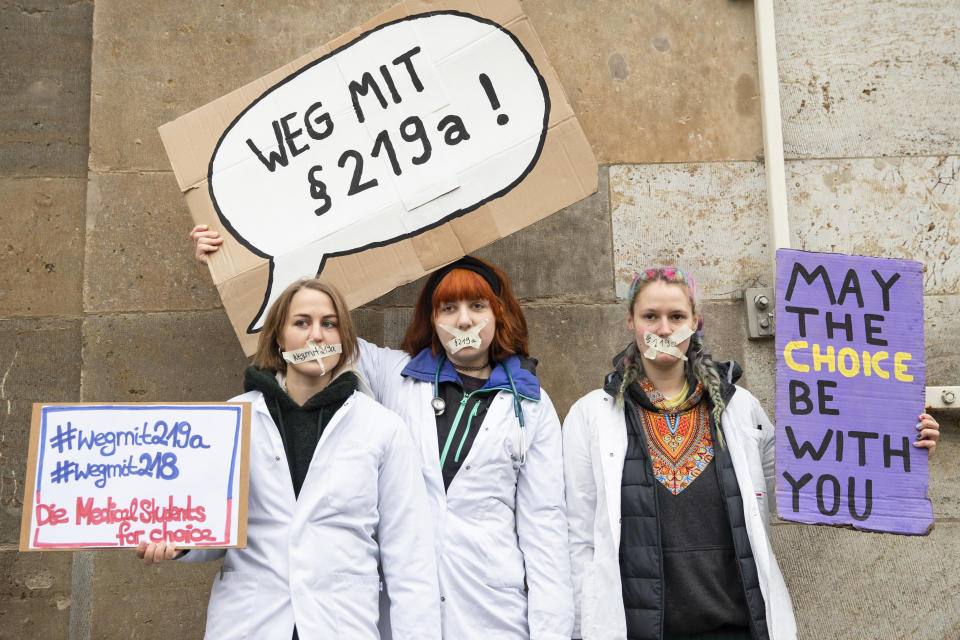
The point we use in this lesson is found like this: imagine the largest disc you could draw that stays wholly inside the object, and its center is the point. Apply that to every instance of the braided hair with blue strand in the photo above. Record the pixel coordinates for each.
(699, 360)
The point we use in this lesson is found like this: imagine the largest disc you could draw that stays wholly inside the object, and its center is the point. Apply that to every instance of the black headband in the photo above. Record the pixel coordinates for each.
(470, 264)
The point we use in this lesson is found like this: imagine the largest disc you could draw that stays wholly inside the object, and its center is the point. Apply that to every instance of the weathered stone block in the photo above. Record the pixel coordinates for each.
(851, 585)
(161, 357)
(940, 337)
(858, 79)
(395, 323)
(905, 208)
(369, 324)
(575, 345)
(155, 64)
(166, 601)
(944, 488)
(710, 219)
(566, 254)
(649, 85)
(138, 254)
(45, 102)
(41, 255)
(40, 362)
(34, 595)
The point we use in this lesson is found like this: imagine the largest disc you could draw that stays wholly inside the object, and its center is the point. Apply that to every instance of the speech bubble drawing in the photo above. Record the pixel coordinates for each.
(408, 126)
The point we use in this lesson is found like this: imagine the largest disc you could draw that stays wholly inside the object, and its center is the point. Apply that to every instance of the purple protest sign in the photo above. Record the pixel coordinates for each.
(850, 385)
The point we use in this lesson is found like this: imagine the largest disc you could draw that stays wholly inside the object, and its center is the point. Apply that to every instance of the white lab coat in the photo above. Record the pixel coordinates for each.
(594, 448)
(500, 523)
(313, 559)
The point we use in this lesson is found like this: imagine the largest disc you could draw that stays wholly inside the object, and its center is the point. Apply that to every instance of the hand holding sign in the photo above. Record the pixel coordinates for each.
(156, 552)
(928, 433)
(205, 241)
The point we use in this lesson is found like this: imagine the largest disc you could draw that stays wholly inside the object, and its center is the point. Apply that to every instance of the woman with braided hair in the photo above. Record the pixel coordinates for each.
(668, 470)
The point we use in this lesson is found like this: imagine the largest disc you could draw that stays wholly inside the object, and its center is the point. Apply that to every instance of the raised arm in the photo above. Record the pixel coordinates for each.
(380, 367)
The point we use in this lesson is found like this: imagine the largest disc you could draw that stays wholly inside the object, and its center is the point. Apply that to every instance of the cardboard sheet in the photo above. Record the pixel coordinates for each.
(850, 388)
(425, 134)
(113, 475)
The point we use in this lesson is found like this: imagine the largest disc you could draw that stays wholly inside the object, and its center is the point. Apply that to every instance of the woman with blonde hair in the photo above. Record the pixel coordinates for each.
(335, 492)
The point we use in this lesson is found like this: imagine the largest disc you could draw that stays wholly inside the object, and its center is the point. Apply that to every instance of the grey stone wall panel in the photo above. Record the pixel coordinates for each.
(165, 59)
(566, 254)
(138, 253)
(940, 338)
(41, 254)
(45, 76)
(129, 599)
(944, 488)
(657, 81)
(39, 362)
(852, 585)
(710, 219)
(161, 357)
(34, 594)
(860, 78)
(905, 208)
(575, 344)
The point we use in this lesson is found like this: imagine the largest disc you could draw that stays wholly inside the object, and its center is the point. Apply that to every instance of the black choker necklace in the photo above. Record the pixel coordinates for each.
(460, 367)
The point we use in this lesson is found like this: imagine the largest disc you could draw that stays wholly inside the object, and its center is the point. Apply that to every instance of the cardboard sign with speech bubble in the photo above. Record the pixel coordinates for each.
(426, 134)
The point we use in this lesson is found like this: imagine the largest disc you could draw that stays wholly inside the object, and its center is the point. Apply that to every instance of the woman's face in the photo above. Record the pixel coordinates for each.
(465, 315)
(311, 316)
(661, 308)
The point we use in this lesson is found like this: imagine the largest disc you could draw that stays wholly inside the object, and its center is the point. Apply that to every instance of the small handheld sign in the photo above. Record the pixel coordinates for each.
(114, 475)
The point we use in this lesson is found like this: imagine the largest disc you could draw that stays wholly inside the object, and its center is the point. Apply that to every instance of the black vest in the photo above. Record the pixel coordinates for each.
(641, 555)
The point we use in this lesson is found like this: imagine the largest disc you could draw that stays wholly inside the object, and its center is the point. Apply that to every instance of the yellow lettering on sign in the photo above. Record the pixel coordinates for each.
(899, 368)
(848, 361)
(828, 358)
(788, 356)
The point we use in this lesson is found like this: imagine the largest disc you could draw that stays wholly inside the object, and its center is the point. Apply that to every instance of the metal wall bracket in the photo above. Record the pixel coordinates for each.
(943, 398)
(760, 305)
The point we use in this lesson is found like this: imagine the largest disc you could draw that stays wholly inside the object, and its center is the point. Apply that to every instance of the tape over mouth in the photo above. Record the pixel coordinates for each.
(463, 339)
(312, 351)
(668, 345)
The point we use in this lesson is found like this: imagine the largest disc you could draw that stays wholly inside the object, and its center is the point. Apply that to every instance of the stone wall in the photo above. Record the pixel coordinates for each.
(100, 298)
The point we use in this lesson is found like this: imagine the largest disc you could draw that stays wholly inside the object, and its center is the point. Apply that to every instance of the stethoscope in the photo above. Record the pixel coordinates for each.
(439, 405)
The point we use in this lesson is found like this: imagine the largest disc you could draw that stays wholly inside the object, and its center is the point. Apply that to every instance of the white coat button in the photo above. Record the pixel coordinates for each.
(278, 458)
(611, 454)
(468, 467)
(443, 599)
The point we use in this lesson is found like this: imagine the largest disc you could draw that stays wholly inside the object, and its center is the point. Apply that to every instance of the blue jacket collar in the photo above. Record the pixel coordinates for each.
(424, 367)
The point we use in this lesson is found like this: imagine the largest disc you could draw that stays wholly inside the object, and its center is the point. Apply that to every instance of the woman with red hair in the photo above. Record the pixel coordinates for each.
(491, 446)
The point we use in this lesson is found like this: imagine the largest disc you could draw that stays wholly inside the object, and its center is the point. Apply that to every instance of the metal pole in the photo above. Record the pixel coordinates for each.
(772, 126)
